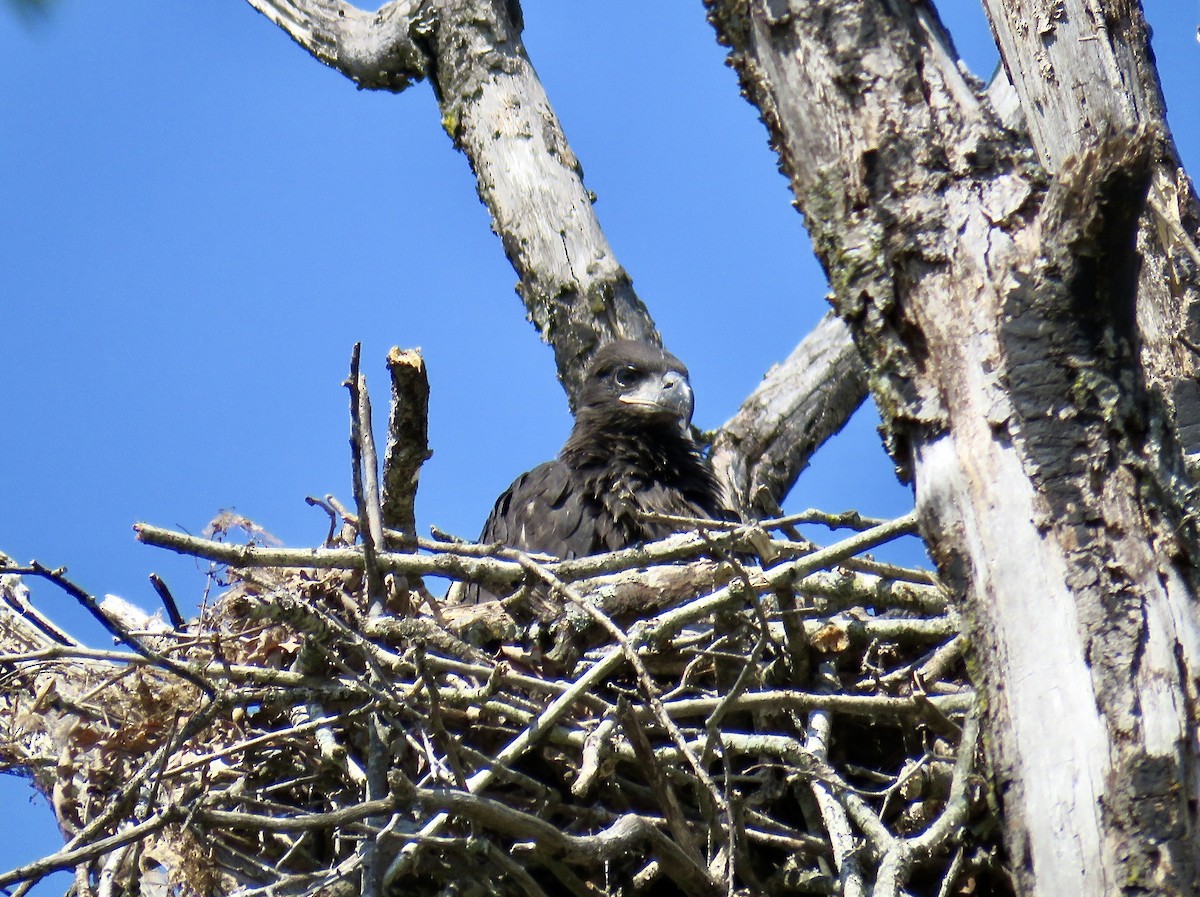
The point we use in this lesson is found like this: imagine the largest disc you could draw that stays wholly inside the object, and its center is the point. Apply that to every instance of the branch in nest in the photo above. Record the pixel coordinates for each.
(407, 443)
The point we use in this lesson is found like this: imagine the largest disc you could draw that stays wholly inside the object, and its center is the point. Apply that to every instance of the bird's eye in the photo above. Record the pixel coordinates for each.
(626, 376)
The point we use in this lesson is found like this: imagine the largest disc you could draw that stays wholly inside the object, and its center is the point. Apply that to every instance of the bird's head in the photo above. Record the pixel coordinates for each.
(632, 380)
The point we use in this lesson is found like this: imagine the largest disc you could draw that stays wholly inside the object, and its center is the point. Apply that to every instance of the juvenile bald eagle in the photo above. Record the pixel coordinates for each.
(630, 454)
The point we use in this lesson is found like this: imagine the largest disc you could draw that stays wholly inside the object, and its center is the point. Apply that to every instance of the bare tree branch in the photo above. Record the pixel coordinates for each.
(760, 451)
(579, 297)
(380, 50)
(407, 442)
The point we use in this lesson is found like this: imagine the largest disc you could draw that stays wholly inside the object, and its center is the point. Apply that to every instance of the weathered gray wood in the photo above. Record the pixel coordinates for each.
(760, 451)
(997, 320)
(407, 441)
(378, 50)
(495, 108)
(1083, 69)
(574, 290)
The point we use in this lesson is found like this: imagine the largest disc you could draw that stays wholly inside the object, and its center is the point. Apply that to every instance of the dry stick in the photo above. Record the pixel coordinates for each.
(844, 520)
(331, 819)
(711, 725)
(874, 706)
(801, 546)
(72, 652)
(503, 673)
(408, 441)
(315, 883)
(438, 724)
(929, 668)
(314, 502)
(659, 784)
(679, 546)
(265, 738)
(649, 689)
(567, 878)
(118, 632)
(625, 832)
(795, 637)
(477, 563)
(365, 466)
(406, 450)
(168, 600)
(69, 857)
(952, 873)
(309, 714)
(898, 861)
(879, 839)
(669, 623)
(83, 880)
(283, 680)
(837, 825)
(367, 499)
(663, 626)
(426, 632)
(17, 599)
(107, 880)
(514, 870)
(622, 835)
(516, 748)
(503, 574)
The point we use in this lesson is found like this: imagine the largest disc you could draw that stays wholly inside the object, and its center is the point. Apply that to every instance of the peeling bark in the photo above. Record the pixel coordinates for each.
(996, 313)
(495, 108)
(1084, 69)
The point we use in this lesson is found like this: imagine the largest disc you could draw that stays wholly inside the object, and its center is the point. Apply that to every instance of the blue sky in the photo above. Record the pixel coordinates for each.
(198, 220)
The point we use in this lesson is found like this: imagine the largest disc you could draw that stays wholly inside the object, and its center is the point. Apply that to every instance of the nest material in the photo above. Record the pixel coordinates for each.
(738, 717)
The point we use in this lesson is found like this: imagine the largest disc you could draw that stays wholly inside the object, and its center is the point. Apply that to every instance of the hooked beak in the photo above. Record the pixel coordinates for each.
(668, 392)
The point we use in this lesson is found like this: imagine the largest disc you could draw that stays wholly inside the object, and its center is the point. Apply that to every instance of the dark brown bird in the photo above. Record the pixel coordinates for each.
(630, 454)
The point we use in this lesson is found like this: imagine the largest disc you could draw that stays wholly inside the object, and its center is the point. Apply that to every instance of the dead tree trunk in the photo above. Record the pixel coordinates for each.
(1022, 317)
(997, 309)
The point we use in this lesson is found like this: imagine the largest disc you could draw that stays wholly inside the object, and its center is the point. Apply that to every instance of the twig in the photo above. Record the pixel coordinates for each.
(16, 596)
(118, 632)
(667, 800)
(515, 871)
(365, 468)
(501, 574)
(313, 501)
(516, 748)
(788, 573)
(898, 860)
(844, 520)
(266, 738)
(748, 670)
(438, 724)
(845, 851)
(68, 858)
(645, 681)
(624, 833)
(168, 601)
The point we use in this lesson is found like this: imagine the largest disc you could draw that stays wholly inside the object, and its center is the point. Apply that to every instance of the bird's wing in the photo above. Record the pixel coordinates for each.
(546, 511)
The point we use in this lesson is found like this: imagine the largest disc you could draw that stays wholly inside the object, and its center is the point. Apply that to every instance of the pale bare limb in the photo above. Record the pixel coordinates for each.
(380, 50)
(760, 451)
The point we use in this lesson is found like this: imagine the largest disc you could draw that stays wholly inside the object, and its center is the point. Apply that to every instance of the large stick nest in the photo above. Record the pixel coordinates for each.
(728, 711)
